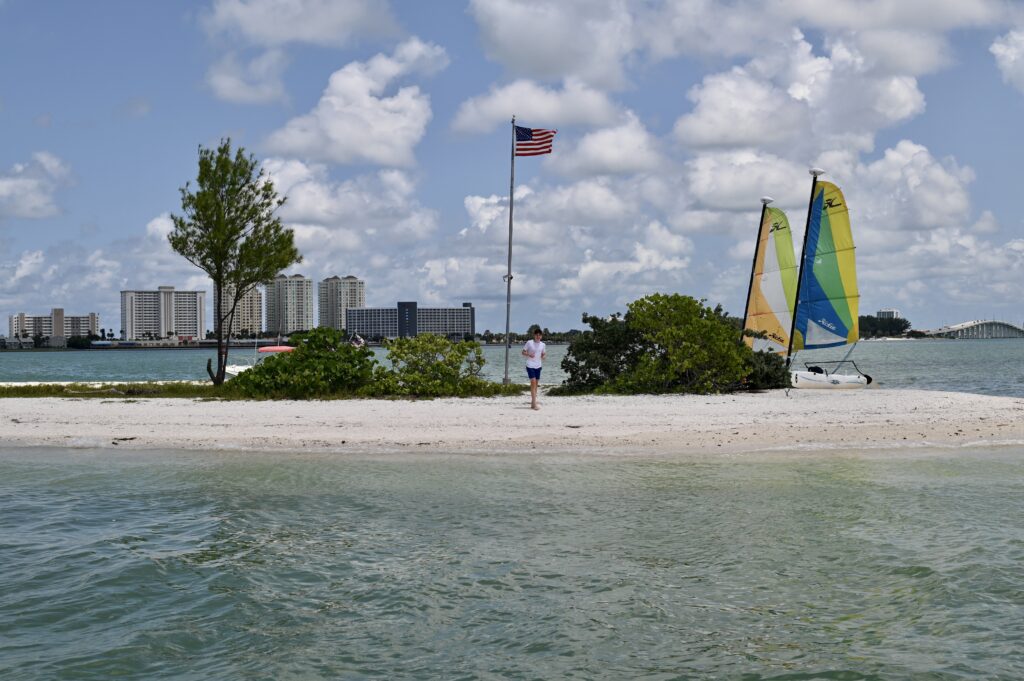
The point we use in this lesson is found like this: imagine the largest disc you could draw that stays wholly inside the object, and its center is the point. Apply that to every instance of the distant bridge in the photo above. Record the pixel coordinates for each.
(978, 330)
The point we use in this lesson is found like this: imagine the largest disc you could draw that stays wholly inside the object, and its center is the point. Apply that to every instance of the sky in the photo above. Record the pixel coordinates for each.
(387, 126)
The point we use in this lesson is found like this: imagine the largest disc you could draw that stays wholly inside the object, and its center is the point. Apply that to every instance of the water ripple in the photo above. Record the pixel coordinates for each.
(186, 566)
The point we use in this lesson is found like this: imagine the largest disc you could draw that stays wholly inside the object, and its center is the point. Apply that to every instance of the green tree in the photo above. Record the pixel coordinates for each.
(229, 230)
(690, 347)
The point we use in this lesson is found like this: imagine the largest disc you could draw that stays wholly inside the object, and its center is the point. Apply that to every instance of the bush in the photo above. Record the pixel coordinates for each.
(597, 357)
(665, 344)
(431, 366)
(767, 370)
(324, 364)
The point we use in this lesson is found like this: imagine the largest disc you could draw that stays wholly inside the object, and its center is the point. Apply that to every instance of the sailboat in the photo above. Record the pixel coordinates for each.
(772, 291)
(827, 299)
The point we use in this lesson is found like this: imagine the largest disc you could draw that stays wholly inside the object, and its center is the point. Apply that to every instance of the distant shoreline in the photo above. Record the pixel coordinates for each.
(713, 425)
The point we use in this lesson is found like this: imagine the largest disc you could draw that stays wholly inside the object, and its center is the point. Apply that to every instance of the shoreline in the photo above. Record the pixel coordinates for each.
(627, 425)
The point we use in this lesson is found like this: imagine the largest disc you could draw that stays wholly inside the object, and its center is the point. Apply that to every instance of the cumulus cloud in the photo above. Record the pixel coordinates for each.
(272, 23)
(1009, 53)
(257, 81)
(586, 39)
(627, 148)
(28, 190)
(354, 122)
(575, 102)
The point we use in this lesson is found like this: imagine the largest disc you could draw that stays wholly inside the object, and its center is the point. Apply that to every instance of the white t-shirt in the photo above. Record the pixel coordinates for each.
(537, 348)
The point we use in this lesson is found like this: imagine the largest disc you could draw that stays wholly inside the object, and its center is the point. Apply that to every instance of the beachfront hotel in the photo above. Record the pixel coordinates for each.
(248, 319)
(289, 304)
(408, 319)
(889, 313)
(163, 313)
(56, 326)
(336, 295)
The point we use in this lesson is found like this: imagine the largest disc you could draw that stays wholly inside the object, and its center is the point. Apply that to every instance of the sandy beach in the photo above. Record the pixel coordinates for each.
(683, 423)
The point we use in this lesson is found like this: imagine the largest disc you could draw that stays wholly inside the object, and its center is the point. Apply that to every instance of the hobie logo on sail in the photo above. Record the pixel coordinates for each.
(827, 324)
(776, 226)
(832, 203)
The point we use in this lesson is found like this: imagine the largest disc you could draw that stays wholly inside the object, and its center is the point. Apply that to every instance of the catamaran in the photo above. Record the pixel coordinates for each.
(818, 301)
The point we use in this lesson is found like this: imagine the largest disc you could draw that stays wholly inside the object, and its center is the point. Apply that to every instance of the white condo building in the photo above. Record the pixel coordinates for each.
(336, 296)
(54, 325)
(248, 314)
(163, 313)
(289, 304)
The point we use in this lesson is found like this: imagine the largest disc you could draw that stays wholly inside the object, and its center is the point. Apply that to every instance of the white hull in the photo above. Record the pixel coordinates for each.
(233, 370)
(813, 380)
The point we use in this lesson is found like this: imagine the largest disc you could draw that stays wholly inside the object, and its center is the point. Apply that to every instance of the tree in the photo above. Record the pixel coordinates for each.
(228, 229)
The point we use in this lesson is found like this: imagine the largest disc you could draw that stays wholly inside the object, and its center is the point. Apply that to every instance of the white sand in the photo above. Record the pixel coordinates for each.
(745, 422)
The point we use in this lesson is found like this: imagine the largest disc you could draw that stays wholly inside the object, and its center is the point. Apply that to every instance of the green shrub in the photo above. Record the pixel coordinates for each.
(767, 370)
(324, 364)
(663, 344)
(431, 366)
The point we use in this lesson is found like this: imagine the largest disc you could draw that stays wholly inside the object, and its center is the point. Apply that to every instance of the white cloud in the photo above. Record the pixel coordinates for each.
(353, 122)
(624, 149)
(257, 81)
(903, 52)
(28, 190)
(271, 23)
(1009, 53)
(584, 39)
(536, 106)
(738, 109)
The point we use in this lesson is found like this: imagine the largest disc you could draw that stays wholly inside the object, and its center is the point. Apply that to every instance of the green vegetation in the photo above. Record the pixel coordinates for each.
(325, 365)
(117, 390)
(666, 344)
(874, 327)
(229, 231)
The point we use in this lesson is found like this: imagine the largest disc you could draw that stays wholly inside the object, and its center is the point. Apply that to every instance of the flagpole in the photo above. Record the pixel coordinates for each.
(803, 255)
(765, 200)
(508, 276)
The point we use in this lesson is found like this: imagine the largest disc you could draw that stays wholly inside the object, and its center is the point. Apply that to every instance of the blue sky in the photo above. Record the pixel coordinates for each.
(387, 127)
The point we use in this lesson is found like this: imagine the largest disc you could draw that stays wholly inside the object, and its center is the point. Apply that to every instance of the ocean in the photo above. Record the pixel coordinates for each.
(176, 565)
(992, 367)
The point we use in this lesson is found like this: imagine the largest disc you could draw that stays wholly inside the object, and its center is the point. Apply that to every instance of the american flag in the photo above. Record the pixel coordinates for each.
(533, 141)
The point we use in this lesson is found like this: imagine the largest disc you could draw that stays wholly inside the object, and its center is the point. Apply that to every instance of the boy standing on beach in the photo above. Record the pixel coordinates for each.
(534, 351)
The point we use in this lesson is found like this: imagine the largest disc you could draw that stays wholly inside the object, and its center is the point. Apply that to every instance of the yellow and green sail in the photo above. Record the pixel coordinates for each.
(773, 288)
(826, 314)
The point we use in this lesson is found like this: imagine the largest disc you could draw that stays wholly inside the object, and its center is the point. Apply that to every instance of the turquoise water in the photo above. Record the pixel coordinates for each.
(181, 365)
(993, 367)
(165, 565)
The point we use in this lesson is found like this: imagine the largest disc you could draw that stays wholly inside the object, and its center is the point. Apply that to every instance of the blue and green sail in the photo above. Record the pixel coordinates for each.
(826, 314)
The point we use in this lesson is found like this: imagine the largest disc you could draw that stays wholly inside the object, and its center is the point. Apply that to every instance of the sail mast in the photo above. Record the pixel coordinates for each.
(803, 255)
(765, 200)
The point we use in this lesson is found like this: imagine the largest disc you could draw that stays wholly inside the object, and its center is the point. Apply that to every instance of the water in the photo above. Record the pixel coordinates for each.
(190, 365)
(994, 367)
(164, 565)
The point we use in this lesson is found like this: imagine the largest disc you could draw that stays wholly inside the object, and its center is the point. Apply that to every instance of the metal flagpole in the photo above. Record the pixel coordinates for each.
(803, 255)
(765, 200)
(508, 277)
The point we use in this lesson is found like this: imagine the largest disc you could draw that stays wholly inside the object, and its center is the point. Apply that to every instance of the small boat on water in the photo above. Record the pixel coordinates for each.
(811, 304)
(232, 370)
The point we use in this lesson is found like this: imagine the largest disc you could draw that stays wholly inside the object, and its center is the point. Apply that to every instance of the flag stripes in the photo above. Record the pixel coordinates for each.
(533, 141)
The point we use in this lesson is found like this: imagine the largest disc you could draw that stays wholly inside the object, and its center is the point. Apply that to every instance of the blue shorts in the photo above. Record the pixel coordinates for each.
(533, 373)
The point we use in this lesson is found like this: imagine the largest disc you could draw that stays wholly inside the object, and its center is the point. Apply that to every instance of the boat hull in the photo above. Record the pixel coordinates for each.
(811, 380)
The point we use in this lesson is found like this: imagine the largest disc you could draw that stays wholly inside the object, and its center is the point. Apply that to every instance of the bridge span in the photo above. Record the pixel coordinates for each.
(978, 330)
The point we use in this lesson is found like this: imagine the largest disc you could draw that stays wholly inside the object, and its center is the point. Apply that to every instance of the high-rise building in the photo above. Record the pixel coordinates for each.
(336, 296)
(248, 313)
(289, 304)
(889, 313)
(408, 319)
(54, 325)
(162, 314)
